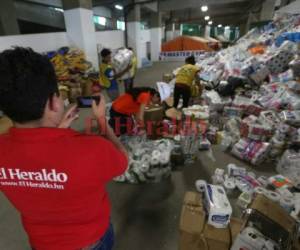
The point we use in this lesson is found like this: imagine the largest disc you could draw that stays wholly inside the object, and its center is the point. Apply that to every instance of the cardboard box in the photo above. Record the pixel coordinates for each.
(217, 238)
(236, 226)
(272, 221)
(274, 212)
(192, 222)
(195, 234)
(153, 117)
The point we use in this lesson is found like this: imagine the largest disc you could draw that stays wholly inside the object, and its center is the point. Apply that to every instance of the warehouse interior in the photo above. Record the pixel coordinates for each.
(246, 93)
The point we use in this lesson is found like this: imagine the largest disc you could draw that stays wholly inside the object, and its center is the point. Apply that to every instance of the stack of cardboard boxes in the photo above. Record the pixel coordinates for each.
(197, 234)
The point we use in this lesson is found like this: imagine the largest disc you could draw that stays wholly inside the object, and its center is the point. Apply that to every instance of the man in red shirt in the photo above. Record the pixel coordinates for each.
(53, 175)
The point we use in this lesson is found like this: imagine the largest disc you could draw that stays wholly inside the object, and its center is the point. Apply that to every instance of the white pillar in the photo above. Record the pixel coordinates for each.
(207, 30)
(155, 36)
(81, 29)
(227, 33)
(134, 32)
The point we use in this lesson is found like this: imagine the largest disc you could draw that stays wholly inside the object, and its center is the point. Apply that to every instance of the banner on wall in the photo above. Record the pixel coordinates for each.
(179, 55)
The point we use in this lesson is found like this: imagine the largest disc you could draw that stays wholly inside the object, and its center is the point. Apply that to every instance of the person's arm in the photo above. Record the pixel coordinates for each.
(197, 77)
(105, 129)
(69, 117)
(140, 115)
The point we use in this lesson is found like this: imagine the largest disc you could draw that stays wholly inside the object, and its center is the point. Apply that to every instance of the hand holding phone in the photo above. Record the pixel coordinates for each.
(100, 108)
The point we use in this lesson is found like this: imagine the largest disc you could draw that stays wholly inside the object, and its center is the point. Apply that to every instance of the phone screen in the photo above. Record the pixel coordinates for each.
(86, 101)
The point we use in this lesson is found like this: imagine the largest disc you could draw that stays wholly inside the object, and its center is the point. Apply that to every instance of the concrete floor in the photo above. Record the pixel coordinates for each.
(144, 216)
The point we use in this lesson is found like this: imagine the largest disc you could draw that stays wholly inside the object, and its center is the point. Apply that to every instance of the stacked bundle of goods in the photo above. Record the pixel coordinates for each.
(253, 97)
(206, 222)
(254, 103)
(74, 72)
(269, 223)
(121, 60)
(149, 161)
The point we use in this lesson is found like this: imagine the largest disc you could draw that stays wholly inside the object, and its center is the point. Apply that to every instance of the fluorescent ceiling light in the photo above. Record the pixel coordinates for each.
(227, 27)
(204, 8)
(210, 22)
(220, 26)
(59, 9)
(119, 7)
(206, 18)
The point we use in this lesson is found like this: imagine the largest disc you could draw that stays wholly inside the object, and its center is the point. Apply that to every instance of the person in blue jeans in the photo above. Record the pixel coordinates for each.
(105, 243)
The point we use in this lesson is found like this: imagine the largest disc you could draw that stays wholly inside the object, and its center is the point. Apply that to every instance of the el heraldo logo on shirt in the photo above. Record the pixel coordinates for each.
(48, 179)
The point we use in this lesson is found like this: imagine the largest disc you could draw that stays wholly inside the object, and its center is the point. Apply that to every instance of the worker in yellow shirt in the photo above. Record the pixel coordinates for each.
(130, 81)
(108, 75)
(184, 80)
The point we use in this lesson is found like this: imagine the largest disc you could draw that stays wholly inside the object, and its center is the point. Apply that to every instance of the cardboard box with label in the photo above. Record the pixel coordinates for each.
(270, 219)
(153, 117)
(196, 234)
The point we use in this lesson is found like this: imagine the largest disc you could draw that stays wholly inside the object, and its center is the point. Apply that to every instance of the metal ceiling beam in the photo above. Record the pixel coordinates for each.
(169, 5)
(192, 13)
(225, 20)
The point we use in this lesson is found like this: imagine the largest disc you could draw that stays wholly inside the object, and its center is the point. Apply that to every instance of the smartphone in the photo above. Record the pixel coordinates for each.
(86, 101)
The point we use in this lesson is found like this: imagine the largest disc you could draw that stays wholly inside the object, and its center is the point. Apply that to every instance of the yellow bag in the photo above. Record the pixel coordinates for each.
(104, 81)
(195, 90)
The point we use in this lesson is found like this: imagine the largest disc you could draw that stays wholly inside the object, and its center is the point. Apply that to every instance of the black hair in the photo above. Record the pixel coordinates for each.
(135, 92)
(190, 60)
(27, 81)
(130, 48)
(105, 52)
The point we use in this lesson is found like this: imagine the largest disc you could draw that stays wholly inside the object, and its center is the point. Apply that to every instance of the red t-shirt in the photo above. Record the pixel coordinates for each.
(125, 104)
(56, 179)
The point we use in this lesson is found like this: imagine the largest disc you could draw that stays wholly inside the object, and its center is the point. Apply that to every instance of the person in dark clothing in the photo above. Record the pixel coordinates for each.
(184, 80)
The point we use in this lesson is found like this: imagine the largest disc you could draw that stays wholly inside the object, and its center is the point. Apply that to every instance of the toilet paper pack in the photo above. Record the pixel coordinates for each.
(217, 205)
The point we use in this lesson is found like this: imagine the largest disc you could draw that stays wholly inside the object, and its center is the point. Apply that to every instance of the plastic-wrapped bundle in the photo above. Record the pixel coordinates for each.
(214, 100)
(291, 100)
(278, 62)
(232, 128)
(233, 111)
(121, 60)
(260, 75)
(269, 118)
(197, 111)
(259, 132)
(242, 102)
(251, 151)
(295, 66)
(277, 147)
(272, 96)
(289, 165)
(245, 124)
(149, 161)
(291, 117)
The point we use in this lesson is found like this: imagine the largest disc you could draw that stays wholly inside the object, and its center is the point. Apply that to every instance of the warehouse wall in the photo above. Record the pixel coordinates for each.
(38, 42)
(145, 37)
(52, 41)
(112, 39)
